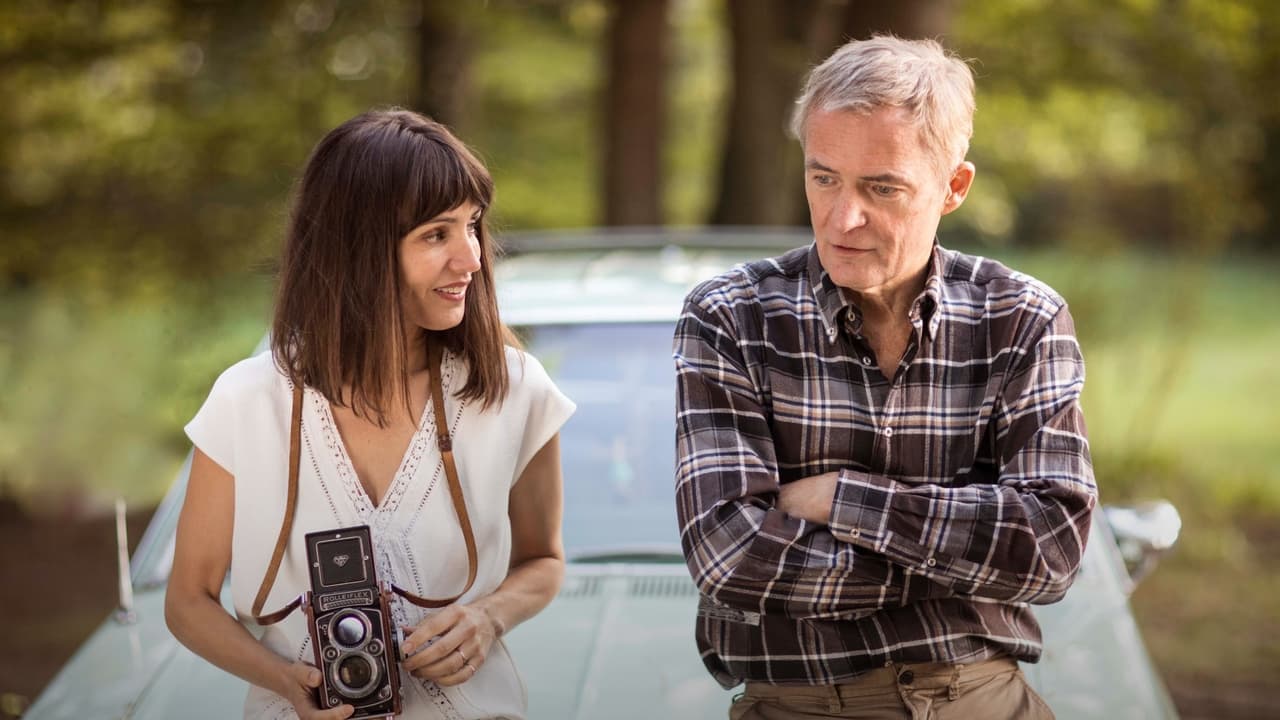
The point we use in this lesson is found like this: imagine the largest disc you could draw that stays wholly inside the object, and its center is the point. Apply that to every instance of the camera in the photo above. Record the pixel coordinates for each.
(349, 618)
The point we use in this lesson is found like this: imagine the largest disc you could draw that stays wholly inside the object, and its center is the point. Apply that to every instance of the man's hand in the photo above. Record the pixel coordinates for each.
(809, 498)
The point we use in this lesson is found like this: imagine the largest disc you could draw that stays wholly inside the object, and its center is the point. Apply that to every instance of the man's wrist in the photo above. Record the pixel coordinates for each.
(859, 507)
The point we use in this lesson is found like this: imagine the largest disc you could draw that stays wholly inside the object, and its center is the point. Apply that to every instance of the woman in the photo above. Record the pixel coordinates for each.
(386, 258)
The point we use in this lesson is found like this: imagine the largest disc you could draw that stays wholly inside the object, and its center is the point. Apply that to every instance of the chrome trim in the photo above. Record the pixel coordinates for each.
(1143, 532)
(124, 613)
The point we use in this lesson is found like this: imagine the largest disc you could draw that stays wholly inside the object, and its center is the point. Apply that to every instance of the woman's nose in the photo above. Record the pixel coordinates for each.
(467, 257)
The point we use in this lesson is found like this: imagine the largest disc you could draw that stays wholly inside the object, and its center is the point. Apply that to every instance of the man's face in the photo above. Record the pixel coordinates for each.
(875, 197)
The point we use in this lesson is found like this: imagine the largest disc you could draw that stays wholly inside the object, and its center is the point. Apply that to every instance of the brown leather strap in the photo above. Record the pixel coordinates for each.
(291, 501)
(455, 485)
(290, 505)
(282, 613)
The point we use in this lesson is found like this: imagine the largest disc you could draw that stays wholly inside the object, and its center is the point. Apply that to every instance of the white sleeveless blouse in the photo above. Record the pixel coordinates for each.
(244, 427)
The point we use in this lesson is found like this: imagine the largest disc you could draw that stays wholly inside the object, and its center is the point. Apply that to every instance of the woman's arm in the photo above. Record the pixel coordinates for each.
(193, 611)
(466, 632)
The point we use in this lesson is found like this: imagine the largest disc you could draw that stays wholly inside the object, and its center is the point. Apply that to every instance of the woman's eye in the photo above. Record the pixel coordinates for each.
(436, 236)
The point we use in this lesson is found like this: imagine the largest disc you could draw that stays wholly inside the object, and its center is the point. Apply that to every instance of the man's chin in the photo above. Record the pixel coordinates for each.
(857, 282)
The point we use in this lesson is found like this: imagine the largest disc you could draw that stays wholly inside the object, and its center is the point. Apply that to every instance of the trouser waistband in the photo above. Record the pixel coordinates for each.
(921, 676)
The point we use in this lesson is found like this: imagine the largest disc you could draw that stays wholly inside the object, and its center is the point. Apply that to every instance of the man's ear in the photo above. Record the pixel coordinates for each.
(958, 186)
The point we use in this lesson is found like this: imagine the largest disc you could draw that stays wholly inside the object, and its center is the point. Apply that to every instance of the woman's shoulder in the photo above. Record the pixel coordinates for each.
(523, 367)
(252, 375)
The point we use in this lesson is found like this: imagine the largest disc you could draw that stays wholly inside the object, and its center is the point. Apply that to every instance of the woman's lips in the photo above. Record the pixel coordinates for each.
(453, 293)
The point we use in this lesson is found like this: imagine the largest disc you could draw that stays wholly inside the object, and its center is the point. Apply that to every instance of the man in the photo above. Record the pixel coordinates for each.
(881, 455)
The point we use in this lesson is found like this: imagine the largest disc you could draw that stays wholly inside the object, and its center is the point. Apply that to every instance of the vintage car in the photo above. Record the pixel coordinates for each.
(598, 309)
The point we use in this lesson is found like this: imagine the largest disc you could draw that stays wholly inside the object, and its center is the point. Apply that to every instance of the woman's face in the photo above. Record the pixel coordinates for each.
(437, 260)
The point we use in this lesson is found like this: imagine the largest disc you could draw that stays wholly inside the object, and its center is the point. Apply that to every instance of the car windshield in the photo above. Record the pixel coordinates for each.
(618, 449)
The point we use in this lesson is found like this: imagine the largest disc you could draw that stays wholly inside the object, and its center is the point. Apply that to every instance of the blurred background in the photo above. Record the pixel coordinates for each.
(1128, 153)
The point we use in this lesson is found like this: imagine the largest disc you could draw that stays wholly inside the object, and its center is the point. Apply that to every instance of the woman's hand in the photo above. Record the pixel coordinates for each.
(463, 636)
(451, 645)
(299, 681)
(195, 615)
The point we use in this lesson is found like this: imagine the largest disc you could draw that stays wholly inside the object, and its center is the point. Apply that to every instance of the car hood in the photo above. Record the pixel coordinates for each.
(138, 670)
(617, 643)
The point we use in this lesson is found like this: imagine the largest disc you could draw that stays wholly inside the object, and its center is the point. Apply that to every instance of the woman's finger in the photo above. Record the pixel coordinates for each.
(465, 673)
(430, 627)
(440, 649)
(304, 674)
(339, 713)
(447, 665)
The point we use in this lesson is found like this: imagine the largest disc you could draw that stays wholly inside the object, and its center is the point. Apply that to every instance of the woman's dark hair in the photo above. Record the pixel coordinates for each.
(338, 324)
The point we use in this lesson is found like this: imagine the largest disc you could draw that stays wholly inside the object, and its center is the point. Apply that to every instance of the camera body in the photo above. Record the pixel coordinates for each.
(349, 618)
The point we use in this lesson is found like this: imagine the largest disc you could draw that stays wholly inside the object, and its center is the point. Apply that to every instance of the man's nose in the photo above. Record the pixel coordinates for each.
(848, 212)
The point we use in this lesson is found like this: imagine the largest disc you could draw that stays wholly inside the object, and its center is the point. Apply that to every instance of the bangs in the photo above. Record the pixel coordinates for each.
(441, 176)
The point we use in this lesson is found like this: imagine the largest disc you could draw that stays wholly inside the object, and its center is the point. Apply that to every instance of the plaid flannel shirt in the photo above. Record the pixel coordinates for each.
(965, 486)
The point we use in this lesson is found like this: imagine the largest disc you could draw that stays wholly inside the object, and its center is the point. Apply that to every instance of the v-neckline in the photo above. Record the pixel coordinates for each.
(409, 460)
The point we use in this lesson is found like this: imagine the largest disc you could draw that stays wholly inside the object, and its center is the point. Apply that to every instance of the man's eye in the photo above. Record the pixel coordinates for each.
(884, 190)
(823, 180)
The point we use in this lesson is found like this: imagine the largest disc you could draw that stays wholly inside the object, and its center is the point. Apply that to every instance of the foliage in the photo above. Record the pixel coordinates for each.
(1119, 122)
(98, 388)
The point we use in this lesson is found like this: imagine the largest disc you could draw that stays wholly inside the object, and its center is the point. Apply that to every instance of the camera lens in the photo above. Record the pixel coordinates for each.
(355, 675)
(349, 631)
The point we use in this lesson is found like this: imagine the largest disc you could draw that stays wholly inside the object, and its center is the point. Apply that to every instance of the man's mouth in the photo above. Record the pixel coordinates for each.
(849, 248)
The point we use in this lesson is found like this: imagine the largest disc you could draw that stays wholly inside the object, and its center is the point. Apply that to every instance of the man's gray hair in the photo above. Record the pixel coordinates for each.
(935, 86)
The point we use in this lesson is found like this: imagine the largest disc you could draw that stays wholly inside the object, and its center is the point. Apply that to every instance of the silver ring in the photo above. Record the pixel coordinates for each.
(458, 650)
(473, 667)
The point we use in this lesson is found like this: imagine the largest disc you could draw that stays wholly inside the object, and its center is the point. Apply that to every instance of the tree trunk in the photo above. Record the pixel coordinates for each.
(769, 50)
(444, 53)
(904, 18)
(635, 112)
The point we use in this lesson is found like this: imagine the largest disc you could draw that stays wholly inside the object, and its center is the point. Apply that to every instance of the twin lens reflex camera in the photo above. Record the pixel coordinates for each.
(349, 618)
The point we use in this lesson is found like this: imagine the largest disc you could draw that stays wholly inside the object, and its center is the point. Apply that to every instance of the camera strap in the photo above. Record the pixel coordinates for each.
(445, 443)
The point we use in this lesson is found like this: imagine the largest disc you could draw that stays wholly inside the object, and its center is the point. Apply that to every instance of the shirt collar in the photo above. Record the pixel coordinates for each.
(838, 310)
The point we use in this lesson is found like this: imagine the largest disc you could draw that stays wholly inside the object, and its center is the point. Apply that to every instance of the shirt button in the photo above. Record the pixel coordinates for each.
(866, 360)
(855, 533)
(931, 562)
(888, 432)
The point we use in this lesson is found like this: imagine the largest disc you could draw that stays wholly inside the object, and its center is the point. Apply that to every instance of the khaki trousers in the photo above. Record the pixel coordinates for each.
(990, 690)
